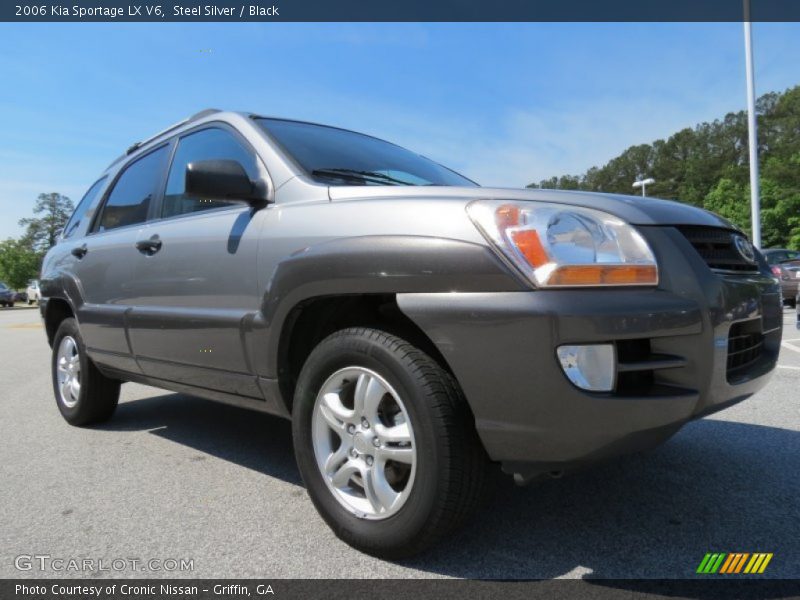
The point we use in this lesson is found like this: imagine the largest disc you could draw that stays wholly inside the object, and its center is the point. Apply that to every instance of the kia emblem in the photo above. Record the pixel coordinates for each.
(745, 248)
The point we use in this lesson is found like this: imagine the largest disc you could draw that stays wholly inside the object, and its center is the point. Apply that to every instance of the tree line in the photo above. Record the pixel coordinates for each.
(21, 258)
(708, 166)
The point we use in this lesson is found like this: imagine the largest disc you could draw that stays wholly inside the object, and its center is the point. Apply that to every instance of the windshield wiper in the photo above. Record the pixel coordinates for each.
(356, 175)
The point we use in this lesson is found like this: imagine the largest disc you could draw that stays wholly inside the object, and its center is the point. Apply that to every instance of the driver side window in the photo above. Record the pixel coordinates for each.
(207, 144)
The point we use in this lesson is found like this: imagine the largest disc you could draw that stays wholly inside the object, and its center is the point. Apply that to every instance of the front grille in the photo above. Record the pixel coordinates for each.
(745, 345)
(716, 247)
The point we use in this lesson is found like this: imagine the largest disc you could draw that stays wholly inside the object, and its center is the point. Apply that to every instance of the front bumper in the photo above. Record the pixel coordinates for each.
(680, 349)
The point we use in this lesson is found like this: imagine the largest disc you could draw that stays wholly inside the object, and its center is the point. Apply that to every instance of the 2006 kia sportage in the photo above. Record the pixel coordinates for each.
(414, 326)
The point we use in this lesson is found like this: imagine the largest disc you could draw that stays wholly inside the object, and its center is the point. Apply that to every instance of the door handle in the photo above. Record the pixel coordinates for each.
(79, 251)
(149, 246)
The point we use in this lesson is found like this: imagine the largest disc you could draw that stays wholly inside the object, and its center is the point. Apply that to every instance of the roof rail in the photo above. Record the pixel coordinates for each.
(194, 117)
(133, 148)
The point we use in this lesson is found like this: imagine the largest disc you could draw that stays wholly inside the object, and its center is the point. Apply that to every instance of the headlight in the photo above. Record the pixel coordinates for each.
(564, 246)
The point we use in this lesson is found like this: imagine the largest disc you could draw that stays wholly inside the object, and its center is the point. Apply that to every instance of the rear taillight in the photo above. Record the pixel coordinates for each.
(776, 271)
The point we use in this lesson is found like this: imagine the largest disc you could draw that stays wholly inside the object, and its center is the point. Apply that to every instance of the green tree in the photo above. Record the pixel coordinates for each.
(18, 263)
(780, 210)
(730, 200)
(780, 206)
(794, 240)
(708, 166)
(42, 232)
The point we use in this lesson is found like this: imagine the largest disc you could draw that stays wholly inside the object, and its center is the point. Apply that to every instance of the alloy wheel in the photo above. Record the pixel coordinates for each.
(68, 367)
(364, 443)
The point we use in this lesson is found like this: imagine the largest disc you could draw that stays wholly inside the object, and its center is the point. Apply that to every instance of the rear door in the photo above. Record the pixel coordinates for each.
(107, 262)
(197, 290)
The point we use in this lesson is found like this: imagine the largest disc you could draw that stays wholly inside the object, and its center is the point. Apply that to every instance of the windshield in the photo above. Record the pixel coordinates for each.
(781, 256)
(3, 286)
(339, 157)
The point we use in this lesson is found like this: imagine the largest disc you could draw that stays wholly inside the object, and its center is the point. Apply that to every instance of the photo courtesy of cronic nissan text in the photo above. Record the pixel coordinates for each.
(356, 299)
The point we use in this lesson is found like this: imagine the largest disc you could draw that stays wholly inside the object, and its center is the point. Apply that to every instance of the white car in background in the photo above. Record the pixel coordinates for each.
(33, 292)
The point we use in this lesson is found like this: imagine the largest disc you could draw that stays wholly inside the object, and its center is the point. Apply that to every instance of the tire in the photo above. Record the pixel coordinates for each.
(95, 397)
(432, 494)
(10, 305)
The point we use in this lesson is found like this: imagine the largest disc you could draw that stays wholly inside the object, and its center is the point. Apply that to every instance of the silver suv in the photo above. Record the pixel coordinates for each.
(415, 327)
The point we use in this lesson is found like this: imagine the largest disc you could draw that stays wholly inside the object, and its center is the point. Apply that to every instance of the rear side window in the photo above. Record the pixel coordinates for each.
(207, 144)
(86, 202)
(130, 199)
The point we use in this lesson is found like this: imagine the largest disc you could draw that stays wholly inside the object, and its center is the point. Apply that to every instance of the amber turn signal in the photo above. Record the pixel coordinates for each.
(604, 275)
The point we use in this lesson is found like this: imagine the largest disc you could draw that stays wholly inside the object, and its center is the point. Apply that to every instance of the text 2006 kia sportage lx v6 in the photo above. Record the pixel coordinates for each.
(415, 327)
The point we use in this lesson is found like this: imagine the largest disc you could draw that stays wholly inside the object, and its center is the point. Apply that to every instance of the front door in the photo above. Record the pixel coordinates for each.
(197, 287)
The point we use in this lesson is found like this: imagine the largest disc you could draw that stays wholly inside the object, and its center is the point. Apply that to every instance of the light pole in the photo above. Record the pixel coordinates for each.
(643, 183)
(752, 134)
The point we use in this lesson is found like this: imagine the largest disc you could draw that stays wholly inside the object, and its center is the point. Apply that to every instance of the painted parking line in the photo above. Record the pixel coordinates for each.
(790, 346)
(788, 367)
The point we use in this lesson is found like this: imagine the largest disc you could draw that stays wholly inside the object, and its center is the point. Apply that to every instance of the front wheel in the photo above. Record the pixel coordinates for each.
(385, 443)
(83, 394)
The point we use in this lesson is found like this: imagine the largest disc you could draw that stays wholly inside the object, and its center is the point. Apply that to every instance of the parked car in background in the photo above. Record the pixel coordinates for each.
(414, 326)
(6, 295)
(33, 292)
(785, 265)
(20, 297)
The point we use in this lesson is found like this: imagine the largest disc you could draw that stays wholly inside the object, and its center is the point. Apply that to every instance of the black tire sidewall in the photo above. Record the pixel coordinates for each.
(385, 536)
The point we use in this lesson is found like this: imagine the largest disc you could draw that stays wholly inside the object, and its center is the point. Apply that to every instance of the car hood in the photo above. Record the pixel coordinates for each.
(633, 209)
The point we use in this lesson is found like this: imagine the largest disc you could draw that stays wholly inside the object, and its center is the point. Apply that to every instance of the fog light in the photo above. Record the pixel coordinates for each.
(590, 367)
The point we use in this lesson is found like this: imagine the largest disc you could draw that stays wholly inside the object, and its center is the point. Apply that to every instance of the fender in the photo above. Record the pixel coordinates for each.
(60, 285)
(371, 265)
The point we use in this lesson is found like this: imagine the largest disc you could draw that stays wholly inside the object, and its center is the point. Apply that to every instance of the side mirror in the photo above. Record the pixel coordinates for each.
(223, 180)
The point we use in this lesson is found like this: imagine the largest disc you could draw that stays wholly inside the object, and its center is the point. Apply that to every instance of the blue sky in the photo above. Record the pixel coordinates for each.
(506, 104)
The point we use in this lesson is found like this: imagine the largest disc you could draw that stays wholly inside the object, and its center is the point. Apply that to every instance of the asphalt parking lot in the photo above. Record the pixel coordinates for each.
(177, 477)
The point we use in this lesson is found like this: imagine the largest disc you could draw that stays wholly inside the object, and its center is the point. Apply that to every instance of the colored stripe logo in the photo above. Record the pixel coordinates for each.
(731, 563)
